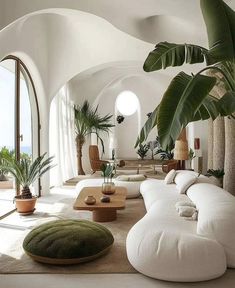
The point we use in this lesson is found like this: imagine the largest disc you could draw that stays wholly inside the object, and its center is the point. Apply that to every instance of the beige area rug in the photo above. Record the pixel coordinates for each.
(14, 260)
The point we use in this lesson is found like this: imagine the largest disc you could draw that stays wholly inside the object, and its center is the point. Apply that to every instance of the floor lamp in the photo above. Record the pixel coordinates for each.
(181, 153)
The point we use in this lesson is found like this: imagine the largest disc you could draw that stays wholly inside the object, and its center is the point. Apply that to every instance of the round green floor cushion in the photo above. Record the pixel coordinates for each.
(67, 241)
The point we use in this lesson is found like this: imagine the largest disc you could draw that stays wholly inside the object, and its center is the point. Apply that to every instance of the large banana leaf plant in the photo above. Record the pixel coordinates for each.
(188, 97)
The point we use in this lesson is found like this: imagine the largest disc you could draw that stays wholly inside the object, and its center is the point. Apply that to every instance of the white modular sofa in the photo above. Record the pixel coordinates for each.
(165, 246)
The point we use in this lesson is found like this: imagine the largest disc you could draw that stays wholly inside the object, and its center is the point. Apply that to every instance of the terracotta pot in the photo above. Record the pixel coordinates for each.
(25, 206)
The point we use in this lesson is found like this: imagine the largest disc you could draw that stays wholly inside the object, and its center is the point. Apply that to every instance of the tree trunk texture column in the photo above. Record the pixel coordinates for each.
(79, 143)
(218, 143)
(229, 163)
(210, 145)
(221, 142)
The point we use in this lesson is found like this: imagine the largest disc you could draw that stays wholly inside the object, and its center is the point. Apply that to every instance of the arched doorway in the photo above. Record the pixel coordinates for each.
(19, 117)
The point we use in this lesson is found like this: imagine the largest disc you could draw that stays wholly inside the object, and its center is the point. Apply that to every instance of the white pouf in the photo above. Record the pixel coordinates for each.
(133, 187)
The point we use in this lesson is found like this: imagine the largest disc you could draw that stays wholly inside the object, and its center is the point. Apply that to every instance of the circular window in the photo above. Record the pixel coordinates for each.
(127, 103)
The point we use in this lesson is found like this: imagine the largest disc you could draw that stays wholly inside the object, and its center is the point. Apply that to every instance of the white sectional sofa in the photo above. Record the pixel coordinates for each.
(165, 246)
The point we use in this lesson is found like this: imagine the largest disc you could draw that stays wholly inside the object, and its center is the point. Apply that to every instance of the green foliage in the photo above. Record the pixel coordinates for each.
(107, 172)
(188, 98)
(165, 155)
(219, 173)
(191, 154)
(171, 54)
(143, 150)
(88, 121)
(5, 152)
(26, 172)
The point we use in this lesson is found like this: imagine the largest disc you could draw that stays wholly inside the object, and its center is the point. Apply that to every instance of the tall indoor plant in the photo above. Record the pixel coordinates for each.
(188, 97)
(26, 173)
(88, 121)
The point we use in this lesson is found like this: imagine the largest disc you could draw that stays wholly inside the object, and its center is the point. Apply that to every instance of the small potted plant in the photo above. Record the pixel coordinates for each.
(191, 156)
(218, 176)
(143, 150)
(108, 187)
(152, 145)
(26, 173)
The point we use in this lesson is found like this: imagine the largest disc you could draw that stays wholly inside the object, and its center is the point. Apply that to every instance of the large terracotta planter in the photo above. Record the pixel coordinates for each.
(25, 206)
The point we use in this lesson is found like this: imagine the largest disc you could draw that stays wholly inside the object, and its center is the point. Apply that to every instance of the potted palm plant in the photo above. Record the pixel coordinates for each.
(26, 173)
(188, 97)
(88, 121)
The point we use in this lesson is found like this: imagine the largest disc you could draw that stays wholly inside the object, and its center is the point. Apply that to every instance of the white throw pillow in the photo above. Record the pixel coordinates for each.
(131, 178)
(186, 211)
(184, 181)
(184, 203)
(170, 177)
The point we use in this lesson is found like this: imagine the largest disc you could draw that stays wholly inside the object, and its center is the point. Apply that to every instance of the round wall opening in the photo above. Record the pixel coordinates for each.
(127, 103)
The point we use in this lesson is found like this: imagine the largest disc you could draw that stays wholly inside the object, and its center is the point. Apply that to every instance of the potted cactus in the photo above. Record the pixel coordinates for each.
(26, 173)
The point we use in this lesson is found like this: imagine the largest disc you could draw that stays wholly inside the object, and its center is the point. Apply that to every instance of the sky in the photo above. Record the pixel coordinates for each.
(7, 110)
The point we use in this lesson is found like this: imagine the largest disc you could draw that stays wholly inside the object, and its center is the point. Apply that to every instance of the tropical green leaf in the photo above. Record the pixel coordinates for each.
(148, 126)
(170, 54)
(220, 22)
(183, 97)
(226, 104)
(208, 109)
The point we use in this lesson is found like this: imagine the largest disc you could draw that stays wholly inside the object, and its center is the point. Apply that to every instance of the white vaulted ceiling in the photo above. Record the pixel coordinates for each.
(148, 20)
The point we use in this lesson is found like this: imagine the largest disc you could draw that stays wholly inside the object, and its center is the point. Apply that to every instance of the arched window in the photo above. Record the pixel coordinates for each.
(19, 112)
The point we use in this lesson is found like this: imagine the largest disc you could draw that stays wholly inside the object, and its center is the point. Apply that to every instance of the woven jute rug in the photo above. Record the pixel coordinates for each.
(14, 260)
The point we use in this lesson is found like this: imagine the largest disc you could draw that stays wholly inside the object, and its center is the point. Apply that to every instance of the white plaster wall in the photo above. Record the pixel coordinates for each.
(56, 45)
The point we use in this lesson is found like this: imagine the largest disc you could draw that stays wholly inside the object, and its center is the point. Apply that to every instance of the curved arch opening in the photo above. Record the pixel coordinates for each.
(19, 114)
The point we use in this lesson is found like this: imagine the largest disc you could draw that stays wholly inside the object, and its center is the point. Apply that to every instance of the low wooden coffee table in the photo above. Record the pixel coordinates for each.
(101, 212)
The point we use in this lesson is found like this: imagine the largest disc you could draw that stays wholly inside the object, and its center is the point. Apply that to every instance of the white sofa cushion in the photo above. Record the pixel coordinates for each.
(154, 190)
(170, 177)
(133, 188)
(216, 217)
(184, 181)
(132, 178)
(200, 178)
